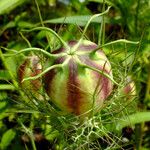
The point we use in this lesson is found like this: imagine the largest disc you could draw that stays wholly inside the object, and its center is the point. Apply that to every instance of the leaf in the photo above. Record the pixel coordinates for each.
(4, 75)
(11, 24)
(133, 119)
(51, 136)
(3, 107)
(20, 24)
(77, 20)
(3, 95)
(8, 5)
(7, 137)
(3, 102)
(25, 24)
(11, 64)
(6, 87)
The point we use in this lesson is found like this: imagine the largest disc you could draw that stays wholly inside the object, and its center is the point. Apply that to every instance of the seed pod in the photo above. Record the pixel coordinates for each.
(129, 90)
(31, 67)
(75, 88)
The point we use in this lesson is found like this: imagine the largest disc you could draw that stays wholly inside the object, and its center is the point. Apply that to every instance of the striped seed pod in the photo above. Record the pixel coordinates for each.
(78, 87)
(30, 68)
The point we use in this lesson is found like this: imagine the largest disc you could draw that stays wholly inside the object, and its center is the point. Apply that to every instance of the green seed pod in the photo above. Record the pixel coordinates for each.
(78, 87)
(31, 67)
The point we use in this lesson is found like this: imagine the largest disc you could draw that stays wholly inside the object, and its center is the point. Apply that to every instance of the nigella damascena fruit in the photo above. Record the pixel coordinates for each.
(30, 68)
(75, 87)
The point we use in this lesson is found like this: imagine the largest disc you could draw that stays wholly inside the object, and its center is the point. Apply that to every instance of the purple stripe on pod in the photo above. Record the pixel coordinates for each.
(105, 85)
(88, 47)
(73, 90)
(57, 51)
(72, 43)
(48, 78)
(50, 75)
(60, 60)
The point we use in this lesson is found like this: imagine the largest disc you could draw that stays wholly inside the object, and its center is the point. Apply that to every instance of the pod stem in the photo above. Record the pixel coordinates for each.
(53, 32)
(36, 50)
(26, 40)
(45, 71)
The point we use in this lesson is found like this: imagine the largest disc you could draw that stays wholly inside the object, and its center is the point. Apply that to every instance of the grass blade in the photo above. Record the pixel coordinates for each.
(77, 20)
(8, 5)
(133, 119)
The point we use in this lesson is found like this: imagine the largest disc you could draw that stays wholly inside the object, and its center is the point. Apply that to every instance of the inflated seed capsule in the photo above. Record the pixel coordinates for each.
(79, 86)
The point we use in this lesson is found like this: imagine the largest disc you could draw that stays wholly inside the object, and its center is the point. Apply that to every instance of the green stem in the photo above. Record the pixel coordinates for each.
(41, 20)
(94, 16)
(85, 29)
(30, 134)
(39, 12)
(25, 39)
(114, 42)
(36, 50)
(136, 54)
(136, 16)
(100, 34)
(103, 24)
(146, 100)
(102, 28)
(97, 89)
(138, 135)
(33, 143)
(147, 94)
(45, 71)
(101, 72)
(51, 31)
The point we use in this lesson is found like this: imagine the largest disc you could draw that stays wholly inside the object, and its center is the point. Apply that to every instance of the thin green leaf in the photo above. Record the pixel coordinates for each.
(6, 87)
(4, 75)
(8, 5)
(77, 20)
(3, 95)
(139, 117)
(7, 137)
(25, 24)
(11, 24)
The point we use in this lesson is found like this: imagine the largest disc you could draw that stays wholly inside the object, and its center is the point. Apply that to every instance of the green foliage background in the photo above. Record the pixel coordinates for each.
(21, 123)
